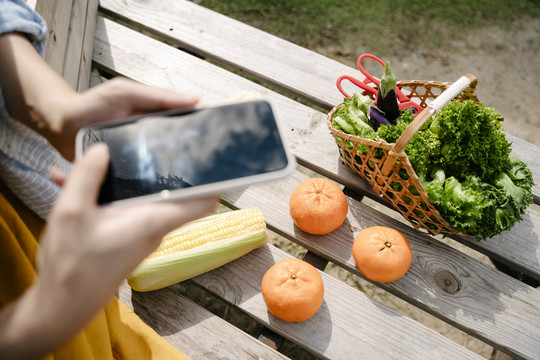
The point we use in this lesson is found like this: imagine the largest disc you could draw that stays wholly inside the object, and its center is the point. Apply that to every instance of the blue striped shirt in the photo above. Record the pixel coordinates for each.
(26, 158)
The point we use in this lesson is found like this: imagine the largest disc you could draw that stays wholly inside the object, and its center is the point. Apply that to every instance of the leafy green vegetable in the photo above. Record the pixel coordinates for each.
(462, 204)
(421, 150)
(363, 103)
(471, 138)
(520, 174)
(351, 118)
(490, 189)
(463, 161)
(521, 197)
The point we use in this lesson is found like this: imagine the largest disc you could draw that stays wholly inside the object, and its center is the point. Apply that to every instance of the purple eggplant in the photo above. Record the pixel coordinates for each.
(386, 95)
(377, 118)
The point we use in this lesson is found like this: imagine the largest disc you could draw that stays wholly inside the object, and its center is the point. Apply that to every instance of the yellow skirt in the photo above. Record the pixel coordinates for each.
(116, 332)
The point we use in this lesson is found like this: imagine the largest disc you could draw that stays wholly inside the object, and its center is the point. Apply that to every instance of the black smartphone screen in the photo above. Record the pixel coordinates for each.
(198, 147)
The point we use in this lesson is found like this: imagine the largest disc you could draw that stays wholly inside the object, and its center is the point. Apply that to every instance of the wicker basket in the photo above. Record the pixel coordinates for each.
(398, 183)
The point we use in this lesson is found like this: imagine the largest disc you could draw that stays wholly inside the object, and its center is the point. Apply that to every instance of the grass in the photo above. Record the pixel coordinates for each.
(379, 26)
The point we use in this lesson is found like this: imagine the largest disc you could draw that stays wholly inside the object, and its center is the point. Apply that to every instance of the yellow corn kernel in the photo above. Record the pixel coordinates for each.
(215, 228)
(200, 246)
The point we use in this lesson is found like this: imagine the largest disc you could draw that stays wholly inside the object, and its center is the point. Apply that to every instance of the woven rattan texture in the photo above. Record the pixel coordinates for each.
(401, 187)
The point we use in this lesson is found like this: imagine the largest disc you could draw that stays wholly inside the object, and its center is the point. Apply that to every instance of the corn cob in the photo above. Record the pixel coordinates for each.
(200, 246)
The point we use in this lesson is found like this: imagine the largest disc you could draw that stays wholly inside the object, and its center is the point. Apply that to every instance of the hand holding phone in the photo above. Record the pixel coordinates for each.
(190, 153)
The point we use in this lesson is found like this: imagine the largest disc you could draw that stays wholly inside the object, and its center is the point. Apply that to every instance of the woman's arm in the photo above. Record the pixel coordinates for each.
(38, 97)
(33, 92)
(87, 250)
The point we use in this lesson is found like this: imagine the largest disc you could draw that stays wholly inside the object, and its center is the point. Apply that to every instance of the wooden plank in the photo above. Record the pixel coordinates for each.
(57, 15)
(137, 56)
(75, 39)
(71, 38)
(340, 254)
(204, 31)
(177, 70)
(349, 324)
(441, 280)
(196, 332)
(275, 61)
(170, 67)
(85, 66)
(76, 68)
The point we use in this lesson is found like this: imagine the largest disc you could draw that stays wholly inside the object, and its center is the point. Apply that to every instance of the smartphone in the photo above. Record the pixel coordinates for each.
(190, 153)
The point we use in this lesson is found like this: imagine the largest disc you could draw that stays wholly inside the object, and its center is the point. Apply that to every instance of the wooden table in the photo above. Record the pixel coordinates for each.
(182, 46)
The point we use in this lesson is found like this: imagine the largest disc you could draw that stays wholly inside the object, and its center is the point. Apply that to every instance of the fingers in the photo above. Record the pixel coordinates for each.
(181, 213)
(142, 98)
(147, 225)
(83, 184)
(158, 219)
(58, 177)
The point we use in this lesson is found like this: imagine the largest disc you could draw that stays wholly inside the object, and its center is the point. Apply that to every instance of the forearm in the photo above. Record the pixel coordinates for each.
(34, 93)
(38, 97)
(38, 323)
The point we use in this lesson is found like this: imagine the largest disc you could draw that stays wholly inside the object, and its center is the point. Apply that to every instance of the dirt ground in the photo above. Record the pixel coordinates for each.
(505, 60)
(506, 63)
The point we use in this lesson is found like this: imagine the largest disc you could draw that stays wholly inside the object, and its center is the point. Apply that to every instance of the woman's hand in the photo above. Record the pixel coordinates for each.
(38, 97)
(114, 99)
(87, 250)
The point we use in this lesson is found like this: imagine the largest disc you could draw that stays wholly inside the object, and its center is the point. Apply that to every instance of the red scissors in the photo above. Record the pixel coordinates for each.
(403, 101)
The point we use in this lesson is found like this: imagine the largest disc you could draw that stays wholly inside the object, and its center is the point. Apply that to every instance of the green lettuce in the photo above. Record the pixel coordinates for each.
(471, 140)
(351, 116)
(463, 161)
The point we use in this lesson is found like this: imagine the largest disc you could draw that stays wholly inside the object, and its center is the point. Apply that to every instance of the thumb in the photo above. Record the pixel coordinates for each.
(87, 174)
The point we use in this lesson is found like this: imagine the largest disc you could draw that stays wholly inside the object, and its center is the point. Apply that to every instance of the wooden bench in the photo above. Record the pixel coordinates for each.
(183, 46)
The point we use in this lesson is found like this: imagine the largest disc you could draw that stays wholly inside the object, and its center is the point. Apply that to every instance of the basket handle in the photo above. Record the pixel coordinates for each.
(448, 95)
